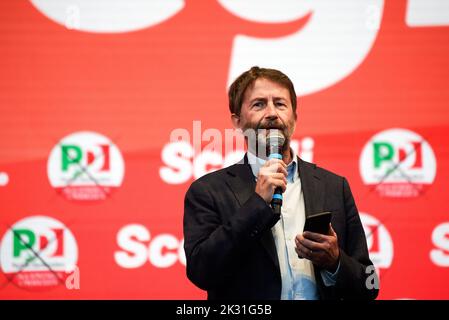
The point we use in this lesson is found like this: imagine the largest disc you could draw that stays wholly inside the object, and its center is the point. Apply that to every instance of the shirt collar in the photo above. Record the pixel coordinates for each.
(292, 171)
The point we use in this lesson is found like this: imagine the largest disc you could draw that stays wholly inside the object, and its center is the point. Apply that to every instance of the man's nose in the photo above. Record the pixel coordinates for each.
(271, 112)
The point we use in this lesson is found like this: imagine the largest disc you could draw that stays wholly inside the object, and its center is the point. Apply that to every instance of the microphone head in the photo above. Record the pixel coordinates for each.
(275, 137)
(275, 141)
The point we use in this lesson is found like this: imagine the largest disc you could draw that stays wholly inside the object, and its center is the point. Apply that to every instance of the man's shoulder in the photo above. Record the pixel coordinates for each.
(215, 175)
(215, 178)
(321, 172)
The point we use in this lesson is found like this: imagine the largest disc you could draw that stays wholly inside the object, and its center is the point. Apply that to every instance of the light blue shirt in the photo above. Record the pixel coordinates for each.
(298, 277)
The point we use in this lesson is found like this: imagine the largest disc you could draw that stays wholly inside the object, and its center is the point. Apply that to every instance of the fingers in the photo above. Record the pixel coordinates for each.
(304, 252)
(273, 179)
(310, 245)
(275, 161)
(332, 231)
(275, 165)
(274, 173)
(278, 182)
(317, 237)
(277, 176)
(322, 250)
(282, 170)
(273, 176)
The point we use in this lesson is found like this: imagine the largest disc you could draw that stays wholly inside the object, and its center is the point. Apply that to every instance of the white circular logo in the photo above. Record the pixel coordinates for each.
(85, 166)
(380, 244)
(398, 163)
(38, 252)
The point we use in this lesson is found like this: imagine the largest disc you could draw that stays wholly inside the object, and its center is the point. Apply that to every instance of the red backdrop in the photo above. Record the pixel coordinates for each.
(92, 189)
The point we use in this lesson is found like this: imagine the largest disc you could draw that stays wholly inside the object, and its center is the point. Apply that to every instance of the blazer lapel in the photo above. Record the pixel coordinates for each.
(312, 187)
(241, 180)
(242, 184)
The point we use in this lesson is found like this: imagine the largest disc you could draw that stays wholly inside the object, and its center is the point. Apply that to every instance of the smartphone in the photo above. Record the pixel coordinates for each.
(318, 222)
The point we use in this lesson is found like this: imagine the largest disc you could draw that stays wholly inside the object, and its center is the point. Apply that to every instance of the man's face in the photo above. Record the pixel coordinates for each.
(267, 105)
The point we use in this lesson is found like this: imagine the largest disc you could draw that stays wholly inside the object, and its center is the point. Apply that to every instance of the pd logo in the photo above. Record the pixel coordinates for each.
(38, 252)
(85, 166)
(398, 163)
(380, 244)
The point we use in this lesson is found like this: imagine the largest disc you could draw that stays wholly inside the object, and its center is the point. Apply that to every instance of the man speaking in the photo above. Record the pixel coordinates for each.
(244, 225)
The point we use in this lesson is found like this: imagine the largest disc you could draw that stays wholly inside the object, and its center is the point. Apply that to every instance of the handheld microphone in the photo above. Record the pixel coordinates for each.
(275, 142)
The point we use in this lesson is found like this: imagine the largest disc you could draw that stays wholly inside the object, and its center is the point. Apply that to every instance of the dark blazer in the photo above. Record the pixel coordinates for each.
(229, 246)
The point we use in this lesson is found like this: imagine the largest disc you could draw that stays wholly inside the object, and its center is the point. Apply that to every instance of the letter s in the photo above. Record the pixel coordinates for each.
(136, 252)
(440, 238)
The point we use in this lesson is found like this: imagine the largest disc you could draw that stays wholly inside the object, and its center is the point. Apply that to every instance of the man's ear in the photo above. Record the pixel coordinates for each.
(235, 121)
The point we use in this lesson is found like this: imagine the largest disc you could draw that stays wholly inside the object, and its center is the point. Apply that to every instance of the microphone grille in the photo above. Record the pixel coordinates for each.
(275, 137)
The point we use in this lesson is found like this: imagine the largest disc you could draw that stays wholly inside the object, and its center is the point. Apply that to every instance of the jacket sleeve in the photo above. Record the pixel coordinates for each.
(356, 275)
(213, 247)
